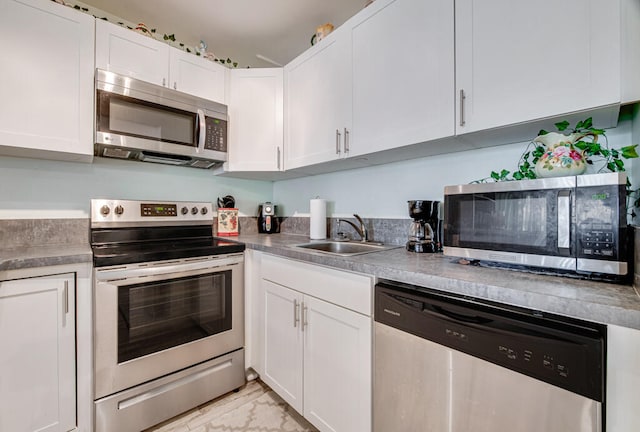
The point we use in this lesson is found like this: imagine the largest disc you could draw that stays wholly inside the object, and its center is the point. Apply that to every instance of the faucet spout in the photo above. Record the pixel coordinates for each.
(361, 230)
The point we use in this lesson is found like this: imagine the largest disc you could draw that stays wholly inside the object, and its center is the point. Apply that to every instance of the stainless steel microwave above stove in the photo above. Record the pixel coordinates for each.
(141, 121)
(168, 311)
(573, 224)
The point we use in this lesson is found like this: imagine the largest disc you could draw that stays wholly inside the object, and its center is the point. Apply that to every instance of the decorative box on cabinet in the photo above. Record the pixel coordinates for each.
(125, 52)
(317, 342)
(46, 81)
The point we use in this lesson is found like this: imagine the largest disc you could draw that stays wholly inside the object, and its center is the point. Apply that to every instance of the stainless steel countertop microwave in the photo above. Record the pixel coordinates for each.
(568, 224)
(140, 121)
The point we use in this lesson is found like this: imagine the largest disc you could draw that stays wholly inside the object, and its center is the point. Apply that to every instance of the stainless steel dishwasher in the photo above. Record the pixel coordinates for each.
(451, 364)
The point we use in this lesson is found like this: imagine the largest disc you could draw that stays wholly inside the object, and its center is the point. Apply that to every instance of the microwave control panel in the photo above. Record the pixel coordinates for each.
(601, 216)
(216, 137)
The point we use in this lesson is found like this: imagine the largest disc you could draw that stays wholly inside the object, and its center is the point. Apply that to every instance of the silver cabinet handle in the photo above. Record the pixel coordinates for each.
(175, 85)
(564, 219)
(65, 303)
(304, 316)
(278, 156)
(164, 82)
(338, 141)
(462, 98)
(346, 140)
(296, 313)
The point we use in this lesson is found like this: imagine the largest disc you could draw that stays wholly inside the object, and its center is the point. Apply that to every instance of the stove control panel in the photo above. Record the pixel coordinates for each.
(114, 213)
(152, 210)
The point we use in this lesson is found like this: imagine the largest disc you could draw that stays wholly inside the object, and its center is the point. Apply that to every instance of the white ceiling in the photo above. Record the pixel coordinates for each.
(237, 29)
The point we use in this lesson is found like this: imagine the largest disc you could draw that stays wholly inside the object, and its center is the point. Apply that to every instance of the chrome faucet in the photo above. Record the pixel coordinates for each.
(361, 230)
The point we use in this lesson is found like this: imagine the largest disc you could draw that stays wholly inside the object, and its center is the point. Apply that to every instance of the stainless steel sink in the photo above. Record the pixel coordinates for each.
(345, 248)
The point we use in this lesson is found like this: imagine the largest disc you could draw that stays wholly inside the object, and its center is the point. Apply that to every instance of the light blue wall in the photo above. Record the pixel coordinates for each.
(383, 191)
(42, 188)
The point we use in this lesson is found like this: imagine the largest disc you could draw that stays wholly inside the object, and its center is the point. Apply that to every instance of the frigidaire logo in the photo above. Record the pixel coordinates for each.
(392, 312)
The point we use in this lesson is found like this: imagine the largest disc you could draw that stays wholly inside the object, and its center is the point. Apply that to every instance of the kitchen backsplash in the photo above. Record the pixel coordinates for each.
(15, 233)
(390, 231)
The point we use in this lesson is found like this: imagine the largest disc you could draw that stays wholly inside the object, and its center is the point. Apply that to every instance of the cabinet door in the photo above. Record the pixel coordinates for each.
(37, 336)
(403, 74)
(46, 80)
(337, 367)
(283, 343)
(255, 120)
(520, 61)
(318, 101)
(123, 51)
(197, 76)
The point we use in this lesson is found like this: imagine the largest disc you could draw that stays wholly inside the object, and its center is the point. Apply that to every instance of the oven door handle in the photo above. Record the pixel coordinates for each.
(173, 267)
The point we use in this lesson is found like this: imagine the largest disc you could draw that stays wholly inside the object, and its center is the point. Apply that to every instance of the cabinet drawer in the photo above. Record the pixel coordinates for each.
(350, 290)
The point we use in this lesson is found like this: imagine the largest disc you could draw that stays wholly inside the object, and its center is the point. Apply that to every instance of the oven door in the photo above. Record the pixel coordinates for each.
(155, 319)
(523, 223)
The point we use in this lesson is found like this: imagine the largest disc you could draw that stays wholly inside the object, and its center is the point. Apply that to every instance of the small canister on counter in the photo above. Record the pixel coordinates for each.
(227, 216)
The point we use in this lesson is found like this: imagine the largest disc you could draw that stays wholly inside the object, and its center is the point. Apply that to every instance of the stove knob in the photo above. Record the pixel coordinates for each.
(184, 210)
(194, 210)
(104, 210)
(118, 210)
(204, 211)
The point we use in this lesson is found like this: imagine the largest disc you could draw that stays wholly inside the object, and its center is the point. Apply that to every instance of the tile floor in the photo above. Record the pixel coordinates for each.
(255, 408)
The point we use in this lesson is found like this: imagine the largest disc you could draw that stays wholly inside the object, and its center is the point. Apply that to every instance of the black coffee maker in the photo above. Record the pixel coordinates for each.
(425, 232)
(268, 222)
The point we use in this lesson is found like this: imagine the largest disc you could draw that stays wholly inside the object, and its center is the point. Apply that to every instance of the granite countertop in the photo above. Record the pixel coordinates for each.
(17, 258)
(602, 302)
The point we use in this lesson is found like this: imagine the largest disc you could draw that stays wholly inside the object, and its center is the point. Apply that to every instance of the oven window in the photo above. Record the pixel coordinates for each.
(159, 315)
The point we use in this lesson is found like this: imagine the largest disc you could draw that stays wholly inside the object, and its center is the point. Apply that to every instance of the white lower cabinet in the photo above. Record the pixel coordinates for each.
(623, 379)
(38, 360)
(317, 353)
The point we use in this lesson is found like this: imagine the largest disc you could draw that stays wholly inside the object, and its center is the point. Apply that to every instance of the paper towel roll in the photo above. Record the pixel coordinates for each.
(318, 222)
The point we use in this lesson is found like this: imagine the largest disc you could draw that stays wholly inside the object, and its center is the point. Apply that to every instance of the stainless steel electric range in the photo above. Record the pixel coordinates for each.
(168, 311)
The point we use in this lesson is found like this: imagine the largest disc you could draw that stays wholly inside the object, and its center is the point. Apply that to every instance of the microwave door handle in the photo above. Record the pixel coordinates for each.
(564, 219)
(201, 130)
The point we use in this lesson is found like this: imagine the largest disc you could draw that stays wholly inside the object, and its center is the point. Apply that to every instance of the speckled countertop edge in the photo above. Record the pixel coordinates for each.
(602, 302)
(19, 258)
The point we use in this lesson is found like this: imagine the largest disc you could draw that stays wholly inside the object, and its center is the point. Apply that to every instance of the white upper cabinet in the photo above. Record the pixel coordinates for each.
(521, 61)
(403, 74)
(46, 81)
(255, 120)
(125, 52)
(384, 79)
(197, 76)
(318, 101)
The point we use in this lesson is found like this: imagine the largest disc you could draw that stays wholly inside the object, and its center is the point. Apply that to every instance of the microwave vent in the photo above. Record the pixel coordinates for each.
(200, 163)
(116, 153)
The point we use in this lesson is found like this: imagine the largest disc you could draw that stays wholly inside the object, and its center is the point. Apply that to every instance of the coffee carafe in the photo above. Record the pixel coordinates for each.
(424, 231)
